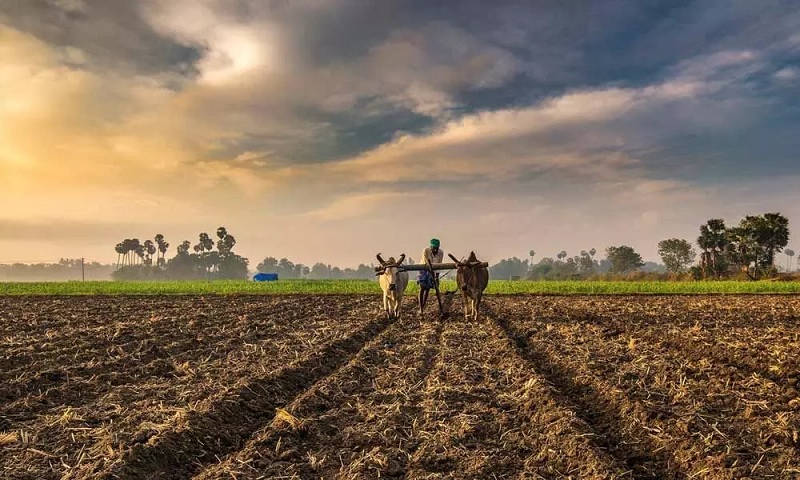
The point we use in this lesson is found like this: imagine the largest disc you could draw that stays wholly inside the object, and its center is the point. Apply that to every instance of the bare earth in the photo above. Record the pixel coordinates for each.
(325, 387)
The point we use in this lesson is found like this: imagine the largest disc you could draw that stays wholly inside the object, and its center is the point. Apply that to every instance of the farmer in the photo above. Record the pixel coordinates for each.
(425, 279)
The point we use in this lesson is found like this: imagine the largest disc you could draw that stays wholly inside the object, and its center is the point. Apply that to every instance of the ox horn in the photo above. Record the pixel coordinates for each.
(381, 260)
(402, 259)
(454, 259)
(473, 259)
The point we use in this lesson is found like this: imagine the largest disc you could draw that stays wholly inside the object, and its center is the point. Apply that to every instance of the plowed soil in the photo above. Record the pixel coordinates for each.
(578, 387)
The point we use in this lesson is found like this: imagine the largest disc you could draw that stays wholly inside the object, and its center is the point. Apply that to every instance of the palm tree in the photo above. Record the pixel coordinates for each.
(184, 247)
(149, 249)
(531, 254)
(127, 248)
(206, 242)
(120, 249)
(162, 249)
(138, 249)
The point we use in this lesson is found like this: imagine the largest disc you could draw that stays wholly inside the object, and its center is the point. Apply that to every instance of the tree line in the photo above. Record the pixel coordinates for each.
(207, 259)
(750, 249)
(65, 269)
(286, 269)
(619, 260)
(747, 250)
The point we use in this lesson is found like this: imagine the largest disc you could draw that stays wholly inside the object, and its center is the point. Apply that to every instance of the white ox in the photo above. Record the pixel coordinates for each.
(393, 283)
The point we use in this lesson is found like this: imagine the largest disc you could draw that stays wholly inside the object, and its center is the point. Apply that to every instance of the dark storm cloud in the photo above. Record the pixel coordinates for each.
(354, 75)
(111, 33)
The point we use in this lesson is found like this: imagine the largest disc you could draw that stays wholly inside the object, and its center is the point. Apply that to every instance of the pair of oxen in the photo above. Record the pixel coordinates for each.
(472, 277)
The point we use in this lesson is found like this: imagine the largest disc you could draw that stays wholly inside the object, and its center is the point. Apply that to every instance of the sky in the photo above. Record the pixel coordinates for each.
(331, 130)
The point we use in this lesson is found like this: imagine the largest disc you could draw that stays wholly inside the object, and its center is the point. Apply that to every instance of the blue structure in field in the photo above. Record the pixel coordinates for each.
(265, 277)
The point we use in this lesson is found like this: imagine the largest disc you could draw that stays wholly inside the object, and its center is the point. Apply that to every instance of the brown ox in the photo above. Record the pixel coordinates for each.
(472, 279)
(393, 283)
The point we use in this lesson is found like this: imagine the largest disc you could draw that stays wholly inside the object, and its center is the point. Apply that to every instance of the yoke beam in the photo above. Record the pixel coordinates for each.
(433, 266)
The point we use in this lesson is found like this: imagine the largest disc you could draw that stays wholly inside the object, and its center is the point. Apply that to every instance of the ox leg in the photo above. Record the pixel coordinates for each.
(386, 305)
(476, 307)
(398, 301)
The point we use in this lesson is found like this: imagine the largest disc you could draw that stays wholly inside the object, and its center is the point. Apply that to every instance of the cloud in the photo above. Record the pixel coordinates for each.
(788, 74)
(585, 132)
(365, 204)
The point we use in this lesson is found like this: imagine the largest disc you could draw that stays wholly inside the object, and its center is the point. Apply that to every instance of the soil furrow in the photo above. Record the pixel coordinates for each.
(96, 432)
(675, 388)
(486, 416)
(605, 411)
(179, 454)
(355, 423)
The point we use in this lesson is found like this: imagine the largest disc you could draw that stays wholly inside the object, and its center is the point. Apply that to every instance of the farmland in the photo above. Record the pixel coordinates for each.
(300, 386)
(338, 287)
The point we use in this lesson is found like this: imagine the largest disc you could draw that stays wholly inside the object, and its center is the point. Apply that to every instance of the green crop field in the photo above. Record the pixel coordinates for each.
(285, 287)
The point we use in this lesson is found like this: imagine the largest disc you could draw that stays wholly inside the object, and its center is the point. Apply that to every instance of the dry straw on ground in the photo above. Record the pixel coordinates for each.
(308, 387)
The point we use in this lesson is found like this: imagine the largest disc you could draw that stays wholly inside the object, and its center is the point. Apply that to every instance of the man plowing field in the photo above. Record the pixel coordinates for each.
(426, 279)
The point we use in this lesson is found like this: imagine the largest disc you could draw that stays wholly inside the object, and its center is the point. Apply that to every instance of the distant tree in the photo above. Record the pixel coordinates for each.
(789, 254)
(623, 259)
(138, 250)
(755, 242)
(773, 235)
(149, 249)
(233, 267)
(713, 242)
(163, 246)
(268, 265)
(204, 245)
(570, 266)
(226, 242)
(183, 248)
(677, 254)
(184, 265)
(227, 264)
(285, 268)
(120, 249)
(542, 269)
(508, 268)
(320, 271)
(531, 254)
(653, 267)
(586, 262)
(562, 255)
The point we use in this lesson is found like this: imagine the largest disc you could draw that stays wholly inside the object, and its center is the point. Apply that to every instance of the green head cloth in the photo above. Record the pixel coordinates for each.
(435, 242)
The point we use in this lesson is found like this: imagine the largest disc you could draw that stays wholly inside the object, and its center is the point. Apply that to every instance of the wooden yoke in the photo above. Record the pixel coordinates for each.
(433, 266)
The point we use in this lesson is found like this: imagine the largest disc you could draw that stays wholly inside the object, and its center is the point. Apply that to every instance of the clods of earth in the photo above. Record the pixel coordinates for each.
(306, 387)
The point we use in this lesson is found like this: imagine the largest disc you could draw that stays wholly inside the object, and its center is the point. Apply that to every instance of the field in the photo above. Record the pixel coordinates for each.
(301, 386)
(364, 287)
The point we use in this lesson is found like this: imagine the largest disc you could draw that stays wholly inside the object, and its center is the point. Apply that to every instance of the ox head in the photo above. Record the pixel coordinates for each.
(390, 269)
